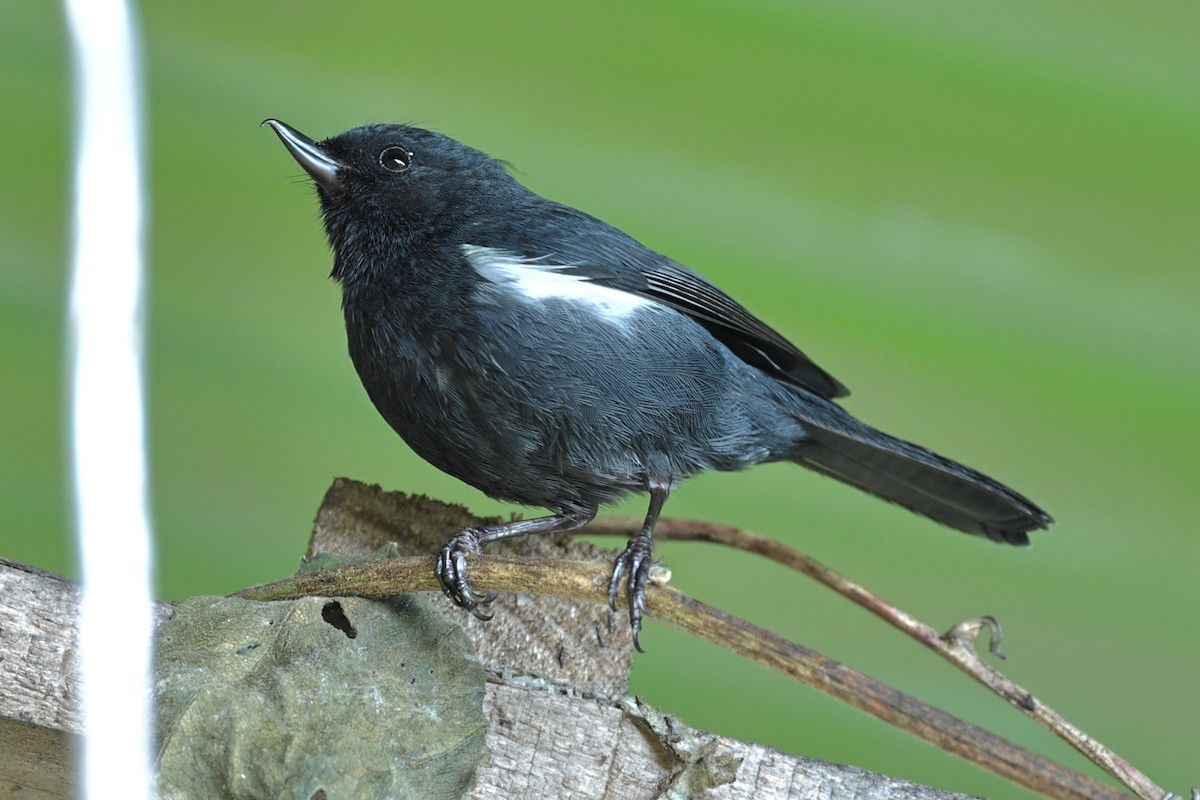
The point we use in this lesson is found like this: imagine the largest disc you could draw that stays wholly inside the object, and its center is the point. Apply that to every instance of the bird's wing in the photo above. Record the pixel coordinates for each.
(751, 339)
(573, 243)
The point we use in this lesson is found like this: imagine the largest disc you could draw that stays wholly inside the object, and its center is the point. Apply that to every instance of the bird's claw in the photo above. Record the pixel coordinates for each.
(451, 571)
(635, 564)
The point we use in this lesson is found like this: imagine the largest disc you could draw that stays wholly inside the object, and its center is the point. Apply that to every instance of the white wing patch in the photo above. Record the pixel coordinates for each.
(539, 279)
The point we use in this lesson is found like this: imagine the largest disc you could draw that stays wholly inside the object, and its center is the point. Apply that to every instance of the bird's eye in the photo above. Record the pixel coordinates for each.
(395, 159)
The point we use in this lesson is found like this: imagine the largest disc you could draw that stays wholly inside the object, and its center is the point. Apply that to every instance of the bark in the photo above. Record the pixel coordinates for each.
(559, 723)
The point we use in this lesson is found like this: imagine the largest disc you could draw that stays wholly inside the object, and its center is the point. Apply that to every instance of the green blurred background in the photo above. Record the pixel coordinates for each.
(984, 218)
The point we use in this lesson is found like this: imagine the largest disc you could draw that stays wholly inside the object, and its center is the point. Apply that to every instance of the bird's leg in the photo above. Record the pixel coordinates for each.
(451, 569)
(635, 562)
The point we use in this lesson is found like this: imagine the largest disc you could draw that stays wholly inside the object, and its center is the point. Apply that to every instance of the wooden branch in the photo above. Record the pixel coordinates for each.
(588, 580)
(547, 736)
(362, 508)
(39, 692)
(542, 741)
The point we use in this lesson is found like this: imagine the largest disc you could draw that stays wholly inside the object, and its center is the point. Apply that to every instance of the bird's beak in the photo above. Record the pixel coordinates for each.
(308, 154)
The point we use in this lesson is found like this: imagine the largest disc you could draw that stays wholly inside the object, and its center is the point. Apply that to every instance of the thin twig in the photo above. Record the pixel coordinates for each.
(589, 580)
(979, 746)
(957, 645)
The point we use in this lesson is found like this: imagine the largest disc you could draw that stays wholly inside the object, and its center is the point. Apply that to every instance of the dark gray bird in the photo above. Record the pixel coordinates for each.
(549, 359)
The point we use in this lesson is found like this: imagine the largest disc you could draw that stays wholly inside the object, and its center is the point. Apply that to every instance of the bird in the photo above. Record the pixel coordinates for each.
(551, 360)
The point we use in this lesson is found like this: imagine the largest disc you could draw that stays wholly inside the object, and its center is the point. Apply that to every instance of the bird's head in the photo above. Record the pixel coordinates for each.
(395, 185)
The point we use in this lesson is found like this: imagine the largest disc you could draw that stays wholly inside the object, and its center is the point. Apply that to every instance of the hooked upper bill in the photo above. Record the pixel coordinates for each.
(308, 154)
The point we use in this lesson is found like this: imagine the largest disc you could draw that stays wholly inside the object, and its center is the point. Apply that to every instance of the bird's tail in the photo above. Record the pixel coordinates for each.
(900, 472)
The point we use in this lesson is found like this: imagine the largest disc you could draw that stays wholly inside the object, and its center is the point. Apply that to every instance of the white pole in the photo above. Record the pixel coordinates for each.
(108, 437)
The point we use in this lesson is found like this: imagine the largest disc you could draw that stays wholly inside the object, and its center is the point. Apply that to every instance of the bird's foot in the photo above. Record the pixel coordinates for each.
(451, 571)
(634, 564)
